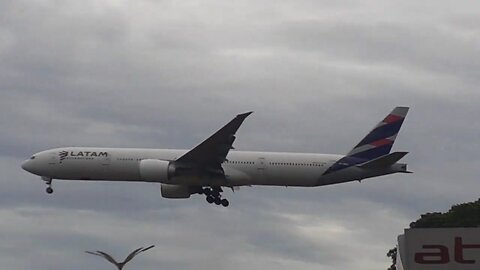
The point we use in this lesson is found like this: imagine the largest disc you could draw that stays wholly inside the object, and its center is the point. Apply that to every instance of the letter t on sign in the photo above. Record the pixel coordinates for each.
(459, 247)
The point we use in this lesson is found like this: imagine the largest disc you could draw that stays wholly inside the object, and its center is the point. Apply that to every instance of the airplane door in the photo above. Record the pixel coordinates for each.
(261, 164)
(105, 169)
(106, 161)
(53, 160)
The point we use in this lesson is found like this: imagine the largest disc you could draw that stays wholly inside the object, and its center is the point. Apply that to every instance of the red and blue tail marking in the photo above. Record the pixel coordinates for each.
(380, 140)
(377, 143)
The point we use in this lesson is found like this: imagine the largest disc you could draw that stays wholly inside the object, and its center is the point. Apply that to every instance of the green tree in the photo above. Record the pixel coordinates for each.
(463, 215)
(392, 253)
(460, 215)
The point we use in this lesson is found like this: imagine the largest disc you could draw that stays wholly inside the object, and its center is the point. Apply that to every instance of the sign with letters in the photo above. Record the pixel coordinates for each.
(441, 249)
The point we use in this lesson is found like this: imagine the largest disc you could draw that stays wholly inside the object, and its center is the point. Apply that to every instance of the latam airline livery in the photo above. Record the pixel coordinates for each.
(213, 165)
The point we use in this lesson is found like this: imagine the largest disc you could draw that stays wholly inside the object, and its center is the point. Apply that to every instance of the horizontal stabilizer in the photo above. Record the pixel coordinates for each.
(383, 161)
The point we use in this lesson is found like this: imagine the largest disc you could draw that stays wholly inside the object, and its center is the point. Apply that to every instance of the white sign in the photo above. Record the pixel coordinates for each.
(441, 249)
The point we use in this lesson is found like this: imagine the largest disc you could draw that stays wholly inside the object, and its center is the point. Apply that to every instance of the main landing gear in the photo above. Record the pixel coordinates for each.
(48, 181)
(213, 195)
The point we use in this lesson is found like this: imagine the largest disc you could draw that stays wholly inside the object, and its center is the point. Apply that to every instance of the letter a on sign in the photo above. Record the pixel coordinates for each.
(440, 256)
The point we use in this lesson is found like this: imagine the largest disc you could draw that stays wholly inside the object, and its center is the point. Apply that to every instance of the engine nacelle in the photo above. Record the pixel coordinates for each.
(175, 191)
(155, 170)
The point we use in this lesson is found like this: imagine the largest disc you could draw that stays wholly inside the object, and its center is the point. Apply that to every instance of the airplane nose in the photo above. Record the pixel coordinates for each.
(26, 165)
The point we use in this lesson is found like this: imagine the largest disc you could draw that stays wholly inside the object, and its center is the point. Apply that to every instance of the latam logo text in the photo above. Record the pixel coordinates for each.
(439, 254)
(64, 154)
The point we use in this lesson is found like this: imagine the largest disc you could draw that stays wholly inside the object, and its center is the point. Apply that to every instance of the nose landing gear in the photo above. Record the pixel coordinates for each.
(48, 181)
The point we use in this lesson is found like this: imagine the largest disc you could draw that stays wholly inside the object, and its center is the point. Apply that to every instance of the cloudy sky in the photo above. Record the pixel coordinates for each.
(166, 74)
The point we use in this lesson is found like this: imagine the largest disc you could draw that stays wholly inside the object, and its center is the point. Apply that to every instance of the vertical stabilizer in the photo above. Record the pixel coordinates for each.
(379, 141)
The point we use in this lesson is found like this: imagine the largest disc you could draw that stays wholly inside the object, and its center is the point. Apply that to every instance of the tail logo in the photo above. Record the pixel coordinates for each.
(380, 140)
(377, 143)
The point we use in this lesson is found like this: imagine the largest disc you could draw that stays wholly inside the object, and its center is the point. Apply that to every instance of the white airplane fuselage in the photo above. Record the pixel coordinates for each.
(212, 164)
(242, 168)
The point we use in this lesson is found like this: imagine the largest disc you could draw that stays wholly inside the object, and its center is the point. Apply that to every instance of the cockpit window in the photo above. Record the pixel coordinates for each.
(33, 157)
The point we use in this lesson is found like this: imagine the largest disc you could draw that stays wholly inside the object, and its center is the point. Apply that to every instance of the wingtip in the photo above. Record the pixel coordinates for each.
(245, 114)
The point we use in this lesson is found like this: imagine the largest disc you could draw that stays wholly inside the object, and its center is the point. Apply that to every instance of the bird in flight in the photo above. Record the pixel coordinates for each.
(119, 265)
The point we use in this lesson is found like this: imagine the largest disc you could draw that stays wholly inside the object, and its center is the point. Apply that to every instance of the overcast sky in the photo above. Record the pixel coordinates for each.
(166, 74)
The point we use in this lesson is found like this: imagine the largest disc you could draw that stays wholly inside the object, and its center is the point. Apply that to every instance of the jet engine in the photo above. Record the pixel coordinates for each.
(175, 191)
(155, 170)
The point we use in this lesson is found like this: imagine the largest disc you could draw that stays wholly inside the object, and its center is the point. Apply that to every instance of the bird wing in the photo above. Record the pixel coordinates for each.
(107, 257)
(132, 255)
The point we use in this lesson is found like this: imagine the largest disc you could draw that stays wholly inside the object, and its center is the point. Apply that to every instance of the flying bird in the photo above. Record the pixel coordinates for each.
(120, 265)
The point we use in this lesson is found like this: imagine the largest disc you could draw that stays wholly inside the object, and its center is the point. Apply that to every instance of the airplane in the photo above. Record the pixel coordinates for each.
(214, 164)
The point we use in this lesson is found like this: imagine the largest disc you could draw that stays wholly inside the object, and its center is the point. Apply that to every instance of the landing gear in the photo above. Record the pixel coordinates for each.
(210, 199)
(213, 195)
(48, 181)
(224, 202)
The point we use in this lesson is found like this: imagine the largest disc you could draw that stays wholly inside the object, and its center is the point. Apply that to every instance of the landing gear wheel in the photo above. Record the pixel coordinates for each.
(213, 195)
(207, 191)
(48, 181)
(224, 202)
(210, 199)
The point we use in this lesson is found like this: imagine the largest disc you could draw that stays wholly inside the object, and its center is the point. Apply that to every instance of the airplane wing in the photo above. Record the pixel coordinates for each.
(211, 153)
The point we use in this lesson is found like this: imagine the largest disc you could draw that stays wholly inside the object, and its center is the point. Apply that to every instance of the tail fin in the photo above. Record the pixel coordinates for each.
(380, 140)
(376, 144)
